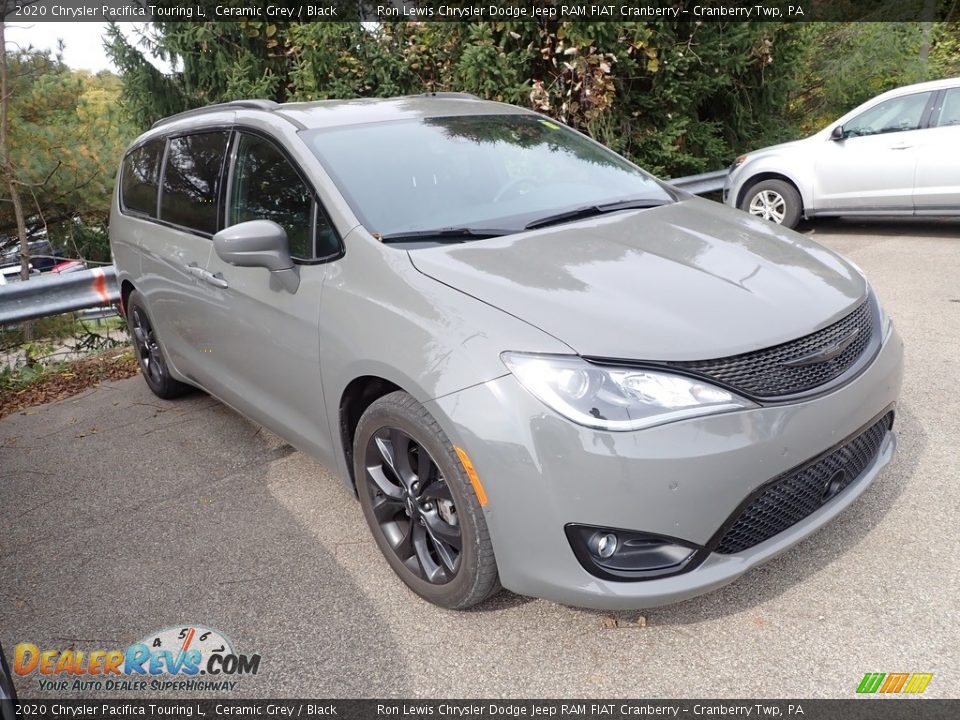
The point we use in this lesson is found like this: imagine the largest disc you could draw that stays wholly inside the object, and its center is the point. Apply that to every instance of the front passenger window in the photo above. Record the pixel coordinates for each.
(267, 187)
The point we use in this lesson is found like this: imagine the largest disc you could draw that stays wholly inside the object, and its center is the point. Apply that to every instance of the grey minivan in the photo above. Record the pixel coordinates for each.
(535, 365)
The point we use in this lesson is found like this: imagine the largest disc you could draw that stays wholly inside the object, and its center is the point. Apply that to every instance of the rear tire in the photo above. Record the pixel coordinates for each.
(146, 344)
(420, 504)
(775, 200)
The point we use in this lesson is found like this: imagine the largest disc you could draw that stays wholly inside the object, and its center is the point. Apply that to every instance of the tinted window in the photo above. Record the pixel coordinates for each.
(893, 115)
(190, 181)
(950, 112)
(267, 187)
(140, 177)
(493, 171)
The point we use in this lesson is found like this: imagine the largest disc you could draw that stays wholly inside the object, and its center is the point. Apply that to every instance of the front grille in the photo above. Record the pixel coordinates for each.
(763, 374)
(789, 498)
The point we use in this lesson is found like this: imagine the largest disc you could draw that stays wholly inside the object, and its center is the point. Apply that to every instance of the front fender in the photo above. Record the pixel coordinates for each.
(381, 317)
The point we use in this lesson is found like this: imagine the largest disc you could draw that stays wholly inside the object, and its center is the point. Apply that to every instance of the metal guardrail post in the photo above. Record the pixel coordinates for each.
(54, 294)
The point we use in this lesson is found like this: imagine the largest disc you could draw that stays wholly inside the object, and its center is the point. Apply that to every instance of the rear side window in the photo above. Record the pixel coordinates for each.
(191, 180)
(950, 112)
(139, 179)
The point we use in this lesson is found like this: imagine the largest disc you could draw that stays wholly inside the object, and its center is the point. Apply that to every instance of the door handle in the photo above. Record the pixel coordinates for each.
(195, 270)
(215, 280)
(900, 147)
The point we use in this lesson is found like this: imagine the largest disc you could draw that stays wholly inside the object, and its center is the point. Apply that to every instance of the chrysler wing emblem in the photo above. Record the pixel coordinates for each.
(823, 354)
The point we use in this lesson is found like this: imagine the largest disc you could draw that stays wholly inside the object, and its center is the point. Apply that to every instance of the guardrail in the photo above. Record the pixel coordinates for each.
(702, 183)
(54, 294)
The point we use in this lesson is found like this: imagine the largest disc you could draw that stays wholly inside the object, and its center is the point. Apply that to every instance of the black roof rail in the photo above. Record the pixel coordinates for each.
(238, 104)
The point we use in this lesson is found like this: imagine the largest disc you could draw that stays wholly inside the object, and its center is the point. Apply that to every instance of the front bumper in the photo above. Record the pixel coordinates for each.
(682, 480)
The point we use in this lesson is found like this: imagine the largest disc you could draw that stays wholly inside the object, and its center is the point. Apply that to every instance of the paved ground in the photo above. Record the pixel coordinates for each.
(121, 514)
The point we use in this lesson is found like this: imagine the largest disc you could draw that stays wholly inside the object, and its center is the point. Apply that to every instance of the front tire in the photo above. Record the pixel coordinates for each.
(150, 355)
(775, 200)
(420, 504)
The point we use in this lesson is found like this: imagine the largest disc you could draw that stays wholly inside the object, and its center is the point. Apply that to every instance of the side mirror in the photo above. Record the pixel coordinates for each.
(837, 133)
(259, 243)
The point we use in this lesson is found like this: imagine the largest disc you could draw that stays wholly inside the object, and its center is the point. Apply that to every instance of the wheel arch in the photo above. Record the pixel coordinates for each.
(126, 287)
(748, 185)
(359, 394)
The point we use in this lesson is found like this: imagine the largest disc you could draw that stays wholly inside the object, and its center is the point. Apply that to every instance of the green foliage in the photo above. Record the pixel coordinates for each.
(677, 98)
(14, 379)
(66, 138)
(845, 64)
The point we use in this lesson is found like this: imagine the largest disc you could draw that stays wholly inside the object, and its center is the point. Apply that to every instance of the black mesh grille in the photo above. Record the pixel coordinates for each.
(789, 498)
(762, 373)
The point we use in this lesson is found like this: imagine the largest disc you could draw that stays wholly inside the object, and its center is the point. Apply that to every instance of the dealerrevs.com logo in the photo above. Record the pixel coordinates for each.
(186, 658)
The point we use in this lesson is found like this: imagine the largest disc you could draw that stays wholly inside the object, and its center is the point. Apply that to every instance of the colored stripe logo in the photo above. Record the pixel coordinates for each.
(894, 683)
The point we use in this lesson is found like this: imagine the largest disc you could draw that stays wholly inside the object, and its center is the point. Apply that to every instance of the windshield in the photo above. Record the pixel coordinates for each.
(490, 173)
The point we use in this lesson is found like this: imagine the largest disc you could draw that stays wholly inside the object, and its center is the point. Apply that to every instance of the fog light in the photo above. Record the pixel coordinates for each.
(616, 554)
(603, 544)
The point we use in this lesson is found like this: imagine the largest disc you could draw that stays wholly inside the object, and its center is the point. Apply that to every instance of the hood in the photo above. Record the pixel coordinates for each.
(792, 146)
(688, 281)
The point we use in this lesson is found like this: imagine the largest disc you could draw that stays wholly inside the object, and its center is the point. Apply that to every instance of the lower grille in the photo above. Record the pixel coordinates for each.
(792, 496)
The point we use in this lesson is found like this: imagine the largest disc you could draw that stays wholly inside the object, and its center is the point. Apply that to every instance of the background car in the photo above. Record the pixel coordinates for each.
(894, 155)
(42, 254)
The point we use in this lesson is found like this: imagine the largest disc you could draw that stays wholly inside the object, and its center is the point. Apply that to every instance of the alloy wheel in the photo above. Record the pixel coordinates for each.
(770, 205)
(413, 506)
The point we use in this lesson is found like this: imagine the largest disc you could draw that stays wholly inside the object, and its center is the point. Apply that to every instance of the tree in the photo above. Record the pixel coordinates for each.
(63, 136)
(676, 97)
(7, 166)
(845, 64)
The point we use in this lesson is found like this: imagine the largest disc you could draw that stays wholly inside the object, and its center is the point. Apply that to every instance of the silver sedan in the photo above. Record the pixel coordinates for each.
(894, 155)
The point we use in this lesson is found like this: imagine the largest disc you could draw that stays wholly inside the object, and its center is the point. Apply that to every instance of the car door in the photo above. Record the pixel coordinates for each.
(937, 187)
(264, 350)
(872, 167)
(177, 245)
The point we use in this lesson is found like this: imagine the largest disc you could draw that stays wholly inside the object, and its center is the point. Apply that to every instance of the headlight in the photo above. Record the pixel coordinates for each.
(610, 398)
(737, 163)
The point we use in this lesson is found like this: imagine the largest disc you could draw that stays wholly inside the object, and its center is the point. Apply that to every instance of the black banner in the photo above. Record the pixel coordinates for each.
(477, 10)
(854, 709)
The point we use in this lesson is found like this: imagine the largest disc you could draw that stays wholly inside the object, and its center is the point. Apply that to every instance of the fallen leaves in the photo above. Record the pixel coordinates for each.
(612, 623)
(115, 364)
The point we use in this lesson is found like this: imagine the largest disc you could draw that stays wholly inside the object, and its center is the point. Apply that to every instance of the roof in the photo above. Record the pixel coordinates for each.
(336, 113)
(921, 87)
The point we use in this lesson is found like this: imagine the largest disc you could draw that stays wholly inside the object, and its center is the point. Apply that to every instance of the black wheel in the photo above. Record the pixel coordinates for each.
(420, 505)
(147, 346)
(775, 200)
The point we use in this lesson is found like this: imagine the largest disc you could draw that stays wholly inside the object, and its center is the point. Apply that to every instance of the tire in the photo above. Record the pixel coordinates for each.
(410, 500)
(146, 344)
(775, 200)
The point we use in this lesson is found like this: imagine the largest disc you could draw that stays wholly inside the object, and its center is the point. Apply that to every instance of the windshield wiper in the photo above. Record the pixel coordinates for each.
(451, 234)
(591, 210)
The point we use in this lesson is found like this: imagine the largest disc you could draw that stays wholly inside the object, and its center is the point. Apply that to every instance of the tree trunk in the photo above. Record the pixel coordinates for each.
(6, 165)
(927, 16)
